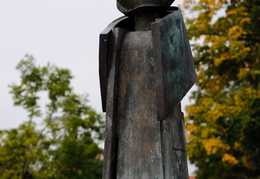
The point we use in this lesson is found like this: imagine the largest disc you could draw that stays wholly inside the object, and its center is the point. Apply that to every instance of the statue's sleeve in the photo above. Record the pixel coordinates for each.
(110, 47)
(173, 64)
(105, 55)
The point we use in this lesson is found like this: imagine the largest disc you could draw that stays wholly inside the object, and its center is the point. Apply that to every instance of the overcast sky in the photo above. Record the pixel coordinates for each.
(63, 32)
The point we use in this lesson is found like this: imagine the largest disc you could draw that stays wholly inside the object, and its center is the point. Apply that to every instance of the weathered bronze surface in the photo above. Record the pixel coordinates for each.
(139, 145)
(106, 49)
(111, 141)
(174, 67)
(146, 68)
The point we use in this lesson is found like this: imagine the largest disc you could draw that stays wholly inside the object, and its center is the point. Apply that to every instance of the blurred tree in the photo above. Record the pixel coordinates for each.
(223, 123)
(66, 146)
(19, 151)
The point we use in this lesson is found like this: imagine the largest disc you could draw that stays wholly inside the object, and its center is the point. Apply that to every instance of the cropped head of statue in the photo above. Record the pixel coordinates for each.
(127, 6)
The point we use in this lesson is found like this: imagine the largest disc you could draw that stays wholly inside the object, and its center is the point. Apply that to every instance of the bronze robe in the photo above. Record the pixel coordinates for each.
(144, 75)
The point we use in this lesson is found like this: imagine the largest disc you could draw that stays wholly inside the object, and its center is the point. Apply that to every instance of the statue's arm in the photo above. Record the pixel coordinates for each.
(105, 55)
(173, 64)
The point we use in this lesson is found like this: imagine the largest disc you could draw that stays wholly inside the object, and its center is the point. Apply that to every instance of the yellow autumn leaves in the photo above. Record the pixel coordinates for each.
(211, 111)
(227, 158)
(222, 126)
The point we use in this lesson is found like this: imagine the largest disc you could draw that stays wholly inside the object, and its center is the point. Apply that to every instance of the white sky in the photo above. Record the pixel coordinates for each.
(63, 32)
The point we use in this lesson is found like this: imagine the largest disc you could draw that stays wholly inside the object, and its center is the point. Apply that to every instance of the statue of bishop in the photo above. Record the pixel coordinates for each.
(146, 68)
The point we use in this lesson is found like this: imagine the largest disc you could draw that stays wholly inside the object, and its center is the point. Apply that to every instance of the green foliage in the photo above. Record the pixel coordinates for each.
(19, 151)
(223, 123)
(66, 146)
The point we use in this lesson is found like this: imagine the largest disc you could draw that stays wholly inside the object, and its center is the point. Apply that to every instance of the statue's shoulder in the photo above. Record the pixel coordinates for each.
(124, 22)
(109, 40)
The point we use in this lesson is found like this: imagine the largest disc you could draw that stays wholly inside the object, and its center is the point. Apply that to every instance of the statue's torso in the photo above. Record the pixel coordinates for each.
(139, 146)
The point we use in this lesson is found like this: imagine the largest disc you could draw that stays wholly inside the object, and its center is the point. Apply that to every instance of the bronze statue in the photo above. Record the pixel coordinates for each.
(146, 68)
